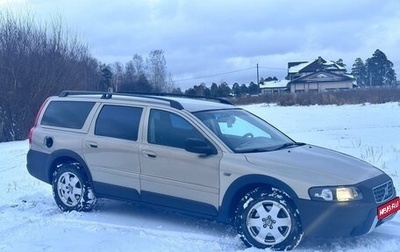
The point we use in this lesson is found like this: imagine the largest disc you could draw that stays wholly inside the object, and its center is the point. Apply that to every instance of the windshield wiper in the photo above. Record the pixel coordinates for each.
(266, 149)
(253, 150)
(287, 145)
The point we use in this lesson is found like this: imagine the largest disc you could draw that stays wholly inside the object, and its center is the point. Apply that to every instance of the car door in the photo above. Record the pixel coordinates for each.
(111, 151)
(172, 176)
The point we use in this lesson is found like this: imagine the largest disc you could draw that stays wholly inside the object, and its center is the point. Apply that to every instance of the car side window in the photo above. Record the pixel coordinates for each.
(169, 129)
(236, 126)
(118, 122)
(67, 114)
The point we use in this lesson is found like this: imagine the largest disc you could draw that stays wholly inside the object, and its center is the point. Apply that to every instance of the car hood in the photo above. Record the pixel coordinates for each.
(314, 165)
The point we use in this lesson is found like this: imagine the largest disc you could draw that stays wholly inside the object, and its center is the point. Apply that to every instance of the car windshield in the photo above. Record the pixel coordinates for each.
(243, 132)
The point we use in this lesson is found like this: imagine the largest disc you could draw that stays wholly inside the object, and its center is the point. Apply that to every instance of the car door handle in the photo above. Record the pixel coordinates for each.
(149, 154)
(91, 144)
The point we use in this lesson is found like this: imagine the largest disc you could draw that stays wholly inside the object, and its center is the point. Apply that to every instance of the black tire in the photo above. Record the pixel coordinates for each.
(267, 218)
(71, 189)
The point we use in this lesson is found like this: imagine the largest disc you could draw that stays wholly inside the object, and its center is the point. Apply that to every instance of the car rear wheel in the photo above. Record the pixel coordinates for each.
(267, 218)
(71, 188)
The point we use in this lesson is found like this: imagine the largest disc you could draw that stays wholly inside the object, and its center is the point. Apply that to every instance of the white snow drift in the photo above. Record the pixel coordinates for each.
(31, 221)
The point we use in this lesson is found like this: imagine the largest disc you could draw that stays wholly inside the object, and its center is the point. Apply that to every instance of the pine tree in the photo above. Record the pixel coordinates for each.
(359, 72)
(253, 88)
(244, 89)
(380, 70)
(236, 89)
(214, 92)
(224, 90)
(107, 76)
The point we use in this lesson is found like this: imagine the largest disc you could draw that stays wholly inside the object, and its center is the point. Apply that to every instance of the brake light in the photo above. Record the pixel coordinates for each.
(36, 121)
(30, 135)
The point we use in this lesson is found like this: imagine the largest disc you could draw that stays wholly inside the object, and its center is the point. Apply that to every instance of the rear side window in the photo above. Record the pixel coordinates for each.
(118, 122)
(67, 114)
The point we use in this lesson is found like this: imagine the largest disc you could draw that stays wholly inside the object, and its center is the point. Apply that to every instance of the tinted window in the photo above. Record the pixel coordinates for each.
(169, 129)
(118, 122)
(67, 114)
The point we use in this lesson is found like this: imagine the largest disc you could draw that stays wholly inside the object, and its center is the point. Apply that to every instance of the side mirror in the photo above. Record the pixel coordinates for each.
(199, 146)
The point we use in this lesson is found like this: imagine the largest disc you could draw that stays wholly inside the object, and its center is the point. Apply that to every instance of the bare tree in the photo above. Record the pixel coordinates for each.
(138, 65)
(118, 77)
(37, 61)
(157, 70)
(170, 87)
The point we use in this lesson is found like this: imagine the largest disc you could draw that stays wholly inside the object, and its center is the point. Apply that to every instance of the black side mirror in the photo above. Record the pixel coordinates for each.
(199, 146)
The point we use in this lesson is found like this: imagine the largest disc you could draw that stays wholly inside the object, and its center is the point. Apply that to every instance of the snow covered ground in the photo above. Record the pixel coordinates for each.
(31, 221)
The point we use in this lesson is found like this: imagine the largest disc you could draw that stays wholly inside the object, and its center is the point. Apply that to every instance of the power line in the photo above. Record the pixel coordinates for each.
(213, 75)
(274, 68)
(230, 72)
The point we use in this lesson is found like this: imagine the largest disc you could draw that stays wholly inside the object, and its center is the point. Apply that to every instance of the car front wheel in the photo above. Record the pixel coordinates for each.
(71, 188)
(267, 218)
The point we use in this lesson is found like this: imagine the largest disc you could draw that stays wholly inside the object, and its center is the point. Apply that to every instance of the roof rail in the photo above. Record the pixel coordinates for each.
(156, 96)
(108, 95)
(218, 99)
(104, 95)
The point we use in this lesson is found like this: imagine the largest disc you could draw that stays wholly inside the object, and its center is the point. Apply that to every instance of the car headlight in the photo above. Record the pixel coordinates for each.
(330, 193)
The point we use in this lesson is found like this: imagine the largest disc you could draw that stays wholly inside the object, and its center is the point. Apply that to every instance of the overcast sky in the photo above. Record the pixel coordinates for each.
(225, 39)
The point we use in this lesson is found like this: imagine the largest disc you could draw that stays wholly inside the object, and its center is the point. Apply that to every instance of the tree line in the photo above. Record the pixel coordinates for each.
(375, 71)
(39, 60)
(140, 74)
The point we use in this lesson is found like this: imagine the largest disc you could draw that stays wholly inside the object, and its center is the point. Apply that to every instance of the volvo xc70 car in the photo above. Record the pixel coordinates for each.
(206, 157)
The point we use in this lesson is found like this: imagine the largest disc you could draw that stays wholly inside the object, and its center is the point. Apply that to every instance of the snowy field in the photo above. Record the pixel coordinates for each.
(31, 221)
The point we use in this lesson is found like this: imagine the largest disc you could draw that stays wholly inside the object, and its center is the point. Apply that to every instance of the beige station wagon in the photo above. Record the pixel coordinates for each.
(206, 157)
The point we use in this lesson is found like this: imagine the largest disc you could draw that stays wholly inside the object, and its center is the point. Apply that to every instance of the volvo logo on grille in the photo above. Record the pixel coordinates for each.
(386, 195)
(383, 192)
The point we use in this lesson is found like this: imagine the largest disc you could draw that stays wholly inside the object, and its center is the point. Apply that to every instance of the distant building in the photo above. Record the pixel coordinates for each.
(274, 87)
(311, 76)
(318, 76)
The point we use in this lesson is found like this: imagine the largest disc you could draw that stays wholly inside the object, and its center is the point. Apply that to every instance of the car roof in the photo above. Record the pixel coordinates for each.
(178, 101)
(197, 104)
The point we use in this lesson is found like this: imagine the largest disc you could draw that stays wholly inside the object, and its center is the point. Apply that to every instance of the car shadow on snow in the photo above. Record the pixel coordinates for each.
(131, 216)
(144, 216)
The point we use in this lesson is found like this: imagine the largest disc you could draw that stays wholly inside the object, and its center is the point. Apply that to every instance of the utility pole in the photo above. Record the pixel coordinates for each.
(258, 79)
(370, 78)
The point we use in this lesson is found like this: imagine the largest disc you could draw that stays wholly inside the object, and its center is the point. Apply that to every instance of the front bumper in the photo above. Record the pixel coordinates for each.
(325, 219)
(330, 219)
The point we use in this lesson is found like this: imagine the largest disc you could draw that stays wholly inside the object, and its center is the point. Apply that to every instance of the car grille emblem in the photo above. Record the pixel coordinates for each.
(383, 192)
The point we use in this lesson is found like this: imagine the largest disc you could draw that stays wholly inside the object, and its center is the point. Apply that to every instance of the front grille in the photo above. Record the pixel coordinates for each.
(383, 192)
